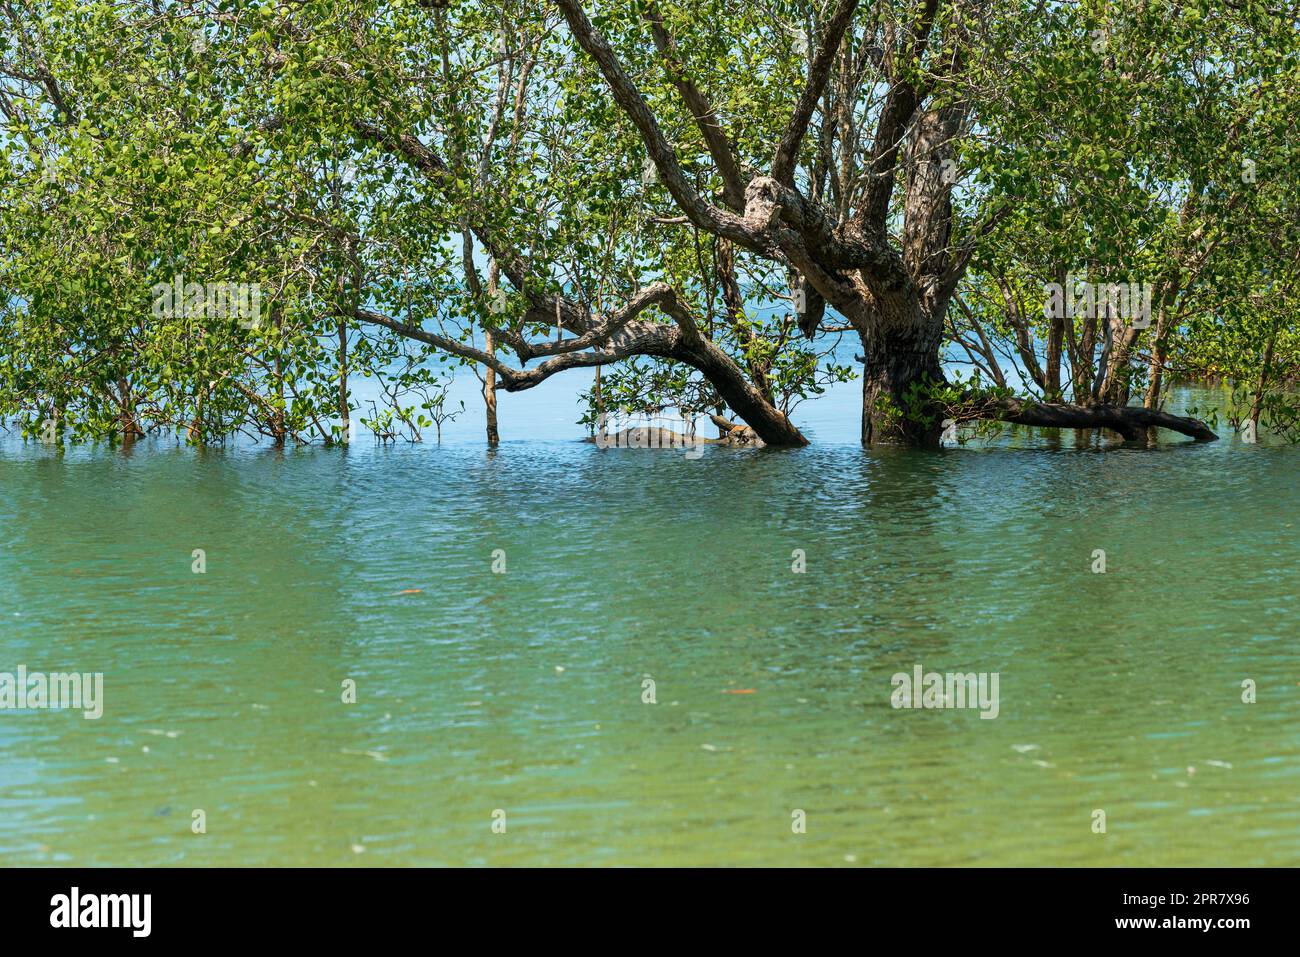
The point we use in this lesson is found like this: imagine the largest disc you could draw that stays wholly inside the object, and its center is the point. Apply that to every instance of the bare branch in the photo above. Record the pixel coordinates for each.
(901, 104)
(787, 152)
(703, 214)
(706, 118)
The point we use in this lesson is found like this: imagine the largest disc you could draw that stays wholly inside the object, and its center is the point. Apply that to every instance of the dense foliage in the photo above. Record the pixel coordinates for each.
(411, 186)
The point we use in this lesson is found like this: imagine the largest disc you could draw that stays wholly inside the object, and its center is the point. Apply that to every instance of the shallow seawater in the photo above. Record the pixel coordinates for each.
(522, 691)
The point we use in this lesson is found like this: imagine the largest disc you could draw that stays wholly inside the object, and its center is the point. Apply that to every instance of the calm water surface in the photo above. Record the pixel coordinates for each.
(523, 691)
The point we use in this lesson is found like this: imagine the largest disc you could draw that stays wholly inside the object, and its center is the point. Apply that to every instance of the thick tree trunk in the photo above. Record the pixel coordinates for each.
(896, 371)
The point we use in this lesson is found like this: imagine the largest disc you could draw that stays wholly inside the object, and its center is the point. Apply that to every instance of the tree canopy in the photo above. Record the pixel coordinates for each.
(216, 216)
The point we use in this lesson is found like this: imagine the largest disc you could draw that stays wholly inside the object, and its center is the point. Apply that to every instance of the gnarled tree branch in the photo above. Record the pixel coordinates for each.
(700, 212)
(787, 151)
(1129, 421)
(706, 118)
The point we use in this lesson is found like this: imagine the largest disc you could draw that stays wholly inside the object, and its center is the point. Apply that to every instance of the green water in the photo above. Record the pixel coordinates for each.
(1118, 691)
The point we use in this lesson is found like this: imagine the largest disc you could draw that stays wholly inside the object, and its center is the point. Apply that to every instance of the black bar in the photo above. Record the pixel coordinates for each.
(733, 908)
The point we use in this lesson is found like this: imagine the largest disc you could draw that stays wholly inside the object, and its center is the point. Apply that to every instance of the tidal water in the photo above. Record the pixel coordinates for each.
(501, 613)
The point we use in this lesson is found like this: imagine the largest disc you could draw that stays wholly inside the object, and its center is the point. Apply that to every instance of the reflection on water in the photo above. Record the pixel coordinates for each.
(523, 691)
